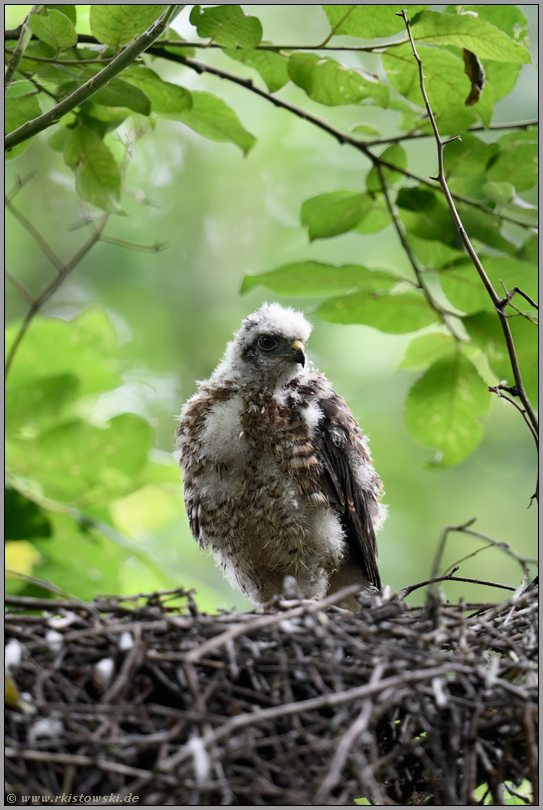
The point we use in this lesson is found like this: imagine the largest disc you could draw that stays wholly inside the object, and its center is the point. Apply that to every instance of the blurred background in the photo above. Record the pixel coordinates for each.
(223, 216)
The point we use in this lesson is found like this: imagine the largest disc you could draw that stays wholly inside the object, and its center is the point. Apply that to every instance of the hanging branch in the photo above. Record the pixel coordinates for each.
(63, 272)
(496, 300)
(122, 61)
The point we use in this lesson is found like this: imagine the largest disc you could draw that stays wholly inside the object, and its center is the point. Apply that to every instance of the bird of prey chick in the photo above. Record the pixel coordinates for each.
(277, 475)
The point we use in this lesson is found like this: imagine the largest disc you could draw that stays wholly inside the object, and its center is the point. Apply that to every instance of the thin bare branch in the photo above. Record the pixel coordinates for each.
(156, 248)
(413, 135)
(88, 39)
(36, 235)
(513, 358)
(39, 302)
(443, 313)
(500, 306)
(408, 589)
(465, 528)
(20, 287)
(499, 389)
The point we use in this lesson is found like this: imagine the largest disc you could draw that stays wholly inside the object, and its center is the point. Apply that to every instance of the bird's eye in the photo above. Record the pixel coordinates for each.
(267, 343)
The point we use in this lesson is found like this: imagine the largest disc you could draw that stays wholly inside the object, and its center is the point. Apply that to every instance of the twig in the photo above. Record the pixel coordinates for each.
(20, 287)
(346, 744)
(414, 135)
(75, 759)
(498, 389)
(411, 256)
(341, 137)
(88, 89)
(449, 577)
(25, 35)
(328, 700)
(265, 621)
(349, 11)
(465, 529)
(513, 358)
(39, 302)
(20, 183)
(35, 603)
(500, 306)
(35, 234)
(156, 248)
(98, 60)
(88, 39)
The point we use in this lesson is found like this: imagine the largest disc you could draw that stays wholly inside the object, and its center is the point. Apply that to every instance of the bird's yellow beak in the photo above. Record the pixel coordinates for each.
(297, 350)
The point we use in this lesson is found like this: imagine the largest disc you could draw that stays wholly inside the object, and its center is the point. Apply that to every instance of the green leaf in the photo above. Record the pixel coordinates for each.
(21, 87)
(446, 83)
(64, 8)
(54, 28)
(366, 129)
(35, 48)
(501, 193)
(331, 214)
(118, 93)
(227, 25)
(377, 218)
(74, 458)
(530, 250)
(273, 67)
(58, 139)
(98, 178)
(463, 287)
(318, 279)
(167, 99)
(118, 25)
(411, 118)
(517, 162)
(426, 215)
(327, 82)
(99, 118)
(23, 518)
(468, 157)
(434, 254)
(425, 350)
(396, 314)
(85, 347)
(81, 563)
(472, 33)
(486, 332)
(506, 17)
(444, 408)
(368, 21)
(214, 119)
(17, 111)
(502, 76)
(395, 154)
(38, 401)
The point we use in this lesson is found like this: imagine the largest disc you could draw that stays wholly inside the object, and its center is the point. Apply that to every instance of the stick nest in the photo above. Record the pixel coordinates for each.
(307, 704)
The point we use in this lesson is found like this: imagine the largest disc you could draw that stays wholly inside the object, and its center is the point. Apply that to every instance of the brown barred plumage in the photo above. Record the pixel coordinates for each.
(277, 474)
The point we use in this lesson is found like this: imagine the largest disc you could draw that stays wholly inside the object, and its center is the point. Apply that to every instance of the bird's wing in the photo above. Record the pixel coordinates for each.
(353, 483)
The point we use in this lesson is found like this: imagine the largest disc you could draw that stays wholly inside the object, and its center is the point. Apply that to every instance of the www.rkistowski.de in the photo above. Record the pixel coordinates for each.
(72, 798)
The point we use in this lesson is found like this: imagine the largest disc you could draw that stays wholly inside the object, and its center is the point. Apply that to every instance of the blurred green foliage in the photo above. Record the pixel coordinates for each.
(94, 500)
